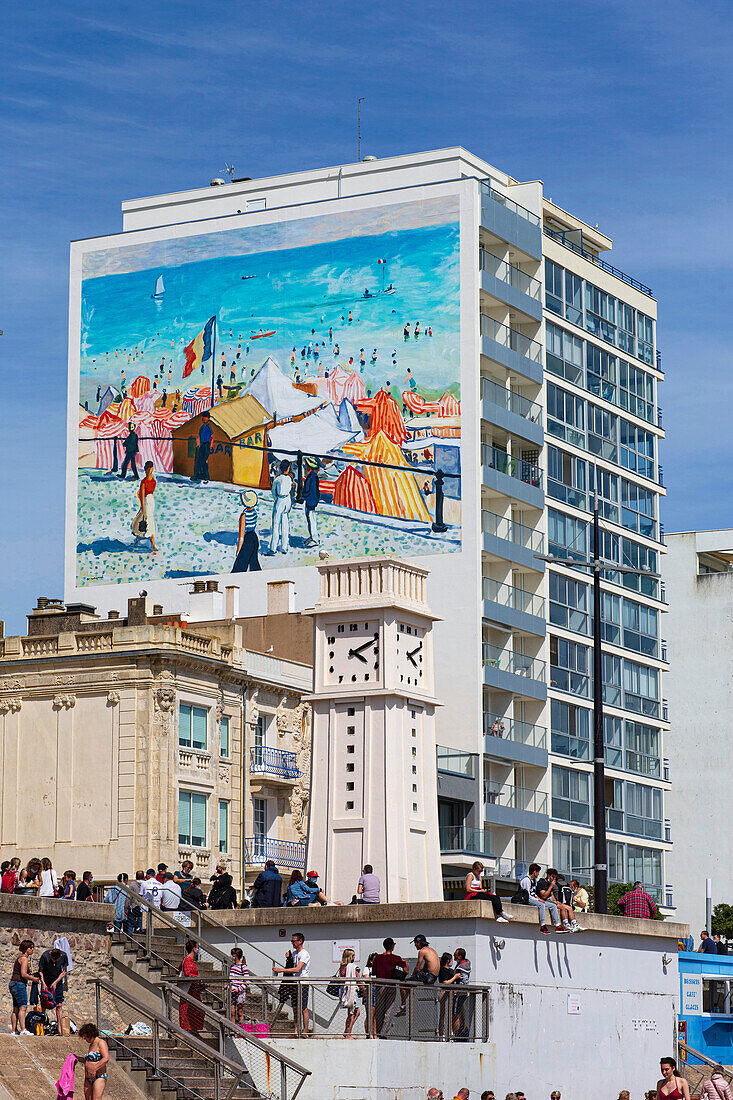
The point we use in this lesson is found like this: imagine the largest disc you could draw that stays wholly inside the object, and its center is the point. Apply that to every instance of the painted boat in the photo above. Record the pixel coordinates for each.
(159, 288)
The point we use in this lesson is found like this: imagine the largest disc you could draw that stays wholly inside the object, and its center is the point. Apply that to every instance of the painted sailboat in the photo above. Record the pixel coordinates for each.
(159, 289)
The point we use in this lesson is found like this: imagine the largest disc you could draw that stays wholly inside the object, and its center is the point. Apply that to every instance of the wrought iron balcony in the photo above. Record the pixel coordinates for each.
(284, 853)
(266, 761)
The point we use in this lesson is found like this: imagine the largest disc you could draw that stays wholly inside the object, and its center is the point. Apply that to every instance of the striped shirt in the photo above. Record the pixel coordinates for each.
(250, 519)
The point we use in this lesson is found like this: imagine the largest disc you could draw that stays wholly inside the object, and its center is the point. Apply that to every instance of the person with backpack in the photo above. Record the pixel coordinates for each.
(716, 1087)
(390, 966)
(528, 888)
(9, 879)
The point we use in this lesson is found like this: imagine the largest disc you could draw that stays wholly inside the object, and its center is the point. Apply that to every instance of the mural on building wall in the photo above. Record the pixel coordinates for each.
(271, 395)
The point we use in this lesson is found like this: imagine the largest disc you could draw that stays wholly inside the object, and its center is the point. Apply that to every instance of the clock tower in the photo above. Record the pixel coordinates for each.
(373, 774)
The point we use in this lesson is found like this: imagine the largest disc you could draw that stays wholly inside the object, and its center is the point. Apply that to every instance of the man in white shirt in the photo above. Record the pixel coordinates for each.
(151, 889)
(281, 489)
(301, 967)
(170, 897)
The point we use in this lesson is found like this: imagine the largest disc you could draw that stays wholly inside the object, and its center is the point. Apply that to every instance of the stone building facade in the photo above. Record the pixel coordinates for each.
(129, 741)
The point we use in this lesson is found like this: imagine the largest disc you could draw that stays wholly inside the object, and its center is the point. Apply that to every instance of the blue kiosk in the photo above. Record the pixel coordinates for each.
(706, 1004)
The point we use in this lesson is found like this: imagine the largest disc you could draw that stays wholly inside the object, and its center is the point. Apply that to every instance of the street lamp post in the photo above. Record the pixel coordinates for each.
(600, 847)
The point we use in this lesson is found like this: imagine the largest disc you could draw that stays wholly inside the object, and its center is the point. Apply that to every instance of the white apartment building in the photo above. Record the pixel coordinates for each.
(698, 571)
(559, 376)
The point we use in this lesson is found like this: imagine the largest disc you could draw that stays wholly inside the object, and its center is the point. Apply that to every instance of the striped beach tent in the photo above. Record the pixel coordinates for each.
(396, 492)
(127, 410)
(354, 388)
(162, 425)
(352, 490)
(140, 386)
(146, 402)
(109, 435)
(336, 383)
(417, 404)
(385, 417)
(449, 406)
(197, 400)
(144, 427)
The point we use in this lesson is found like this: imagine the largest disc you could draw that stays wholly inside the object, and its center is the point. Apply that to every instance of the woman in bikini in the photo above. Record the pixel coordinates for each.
(671, 1087)
(95, 1062)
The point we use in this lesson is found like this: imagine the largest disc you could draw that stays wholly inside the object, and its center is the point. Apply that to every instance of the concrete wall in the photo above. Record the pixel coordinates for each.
(548, 996)
(699, 630)
(43, 919)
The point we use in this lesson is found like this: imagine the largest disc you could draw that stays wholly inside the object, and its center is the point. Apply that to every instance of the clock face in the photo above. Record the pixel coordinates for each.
(410, 654)
(352, 652)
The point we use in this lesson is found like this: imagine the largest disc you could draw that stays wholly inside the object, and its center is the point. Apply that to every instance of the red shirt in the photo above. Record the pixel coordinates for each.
(384, 965)
(148, 488)
(161, 874)
(637, 903)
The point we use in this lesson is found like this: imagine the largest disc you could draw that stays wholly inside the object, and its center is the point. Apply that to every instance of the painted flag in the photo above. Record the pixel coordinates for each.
(199, 350)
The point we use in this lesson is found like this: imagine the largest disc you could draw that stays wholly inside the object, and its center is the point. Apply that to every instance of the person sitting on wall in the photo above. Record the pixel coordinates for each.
(317, 895)
(268, 888)
(298, 892)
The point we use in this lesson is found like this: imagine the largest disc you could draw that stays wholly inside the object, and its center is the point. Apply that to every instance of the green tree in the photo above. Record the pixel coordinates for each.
(723, 920)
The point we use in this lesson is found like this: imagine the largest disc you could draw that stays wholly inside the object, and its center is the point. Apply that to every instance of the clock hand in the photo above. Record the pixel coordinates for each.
(363, 646)
(412, 660)
(358, 655)
(414, 651)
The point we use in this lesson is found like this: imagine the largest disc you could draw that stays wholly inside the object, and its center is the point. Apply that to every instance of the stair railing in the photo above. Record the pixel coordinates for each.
(684, 1052)
(223, 1067)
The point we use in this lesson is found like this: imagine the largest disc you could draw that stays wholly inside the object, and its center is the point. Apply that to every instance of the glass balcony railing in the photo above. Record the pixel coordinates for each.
(266, 761)
(462, 838)
(620, 822)
(285, 853)
(506, 660)
(516, 598)
(567, 242)
(513, 467)
(514, 798)
(509, 274)
(511, 729)
(456, 762)
(488, 191)
(511, 338)
(513, 531)
(511, 401)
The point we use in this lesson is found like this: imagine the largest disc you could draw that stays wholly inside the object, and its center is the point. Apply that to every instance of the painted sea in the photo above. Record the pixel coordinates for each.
(374, 294)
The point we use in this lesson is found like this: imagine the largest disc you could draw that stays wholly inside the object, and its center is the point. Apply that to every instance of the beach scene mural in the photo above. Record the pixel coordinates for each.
(271, 395)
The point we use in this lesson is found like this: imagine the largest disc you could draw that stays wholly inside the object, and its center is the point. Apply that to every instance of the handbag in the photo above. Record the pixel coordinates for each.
(142, 526)
(334, 986)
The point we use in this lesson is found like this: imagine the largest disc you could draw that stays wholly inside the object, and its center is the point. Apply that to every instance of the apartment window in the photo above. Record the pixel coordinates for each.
(643, 807)
(602, 433)
(569, 666)
(640, 557)
(565, 415)
(570, 730)
(600, 372)
(567, 536)
(192, 819)
(641, 625)
(564, 354)
(610, 552)
(224, 735)
(642, 749)
(613, 741)
(192, 723)
(606, 486)
(570, 795)
(637, 508)
(610, 618)
(566, 477)
(568, 603)
(626, 328)
(260, 732)
(637, 449)
(636, 391)
(611, 667)
(554, 287)
(259, 817)
(644, 338)
(615, 856)
(223, 826)
(641, 689)
(600, 313)
(573, 298)
(572, 856)
(644, 864)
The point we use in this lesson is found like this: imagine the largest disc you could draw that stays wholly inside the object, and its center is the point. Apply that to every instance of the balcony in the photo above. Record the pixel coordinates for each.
(507, 538)
(511, 348)
(516, 807)
(511, 411)
(506, 670)
(510, 739)
(285, 853)
(512, 476)
(272, 765)
(618, 821)
(513, 607)
(456, 762)
(462, 840)
(510, 284)
(566, 241)
(509, 221)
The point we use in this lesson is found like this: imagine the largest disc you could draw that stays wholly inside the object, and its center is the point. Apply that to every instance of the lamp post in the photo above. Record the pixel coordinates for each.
(600, 847)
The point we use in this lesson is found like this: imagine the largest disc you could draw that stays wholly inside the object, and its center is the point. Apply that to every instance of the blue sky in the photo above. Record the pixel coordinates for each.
(623, 109)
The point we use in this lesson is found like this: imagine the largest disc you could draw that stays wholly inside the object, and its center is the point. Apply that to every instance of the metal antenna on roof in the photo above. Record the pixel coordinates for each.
(358, 127)
(229, 169)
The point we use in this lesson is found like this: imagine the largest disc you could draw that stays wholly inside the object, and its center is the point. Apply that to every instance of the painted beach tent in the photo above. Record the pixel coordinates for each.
(336, 382)
(109, 436)
(276, 393)
(318, 434)
(110, 394)
(385, 417)
(354, 388)
(138, 387)
(162, 425)
(352, 490)
(396, 492)
(449, 406)
(348, 417)
(238, 454)
(197, 400)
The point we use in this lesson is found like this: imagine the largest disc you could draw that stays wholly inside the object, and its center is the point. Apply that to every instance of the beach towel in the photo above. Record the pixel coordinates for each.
(62, 944)
(65, 1083)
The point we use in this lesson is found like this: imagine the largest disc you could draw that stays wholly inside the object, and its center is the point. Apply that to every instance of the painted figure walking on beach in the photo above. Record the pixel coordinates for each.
(281, 490)
(143, 525)
(248, 543)
(312, 497)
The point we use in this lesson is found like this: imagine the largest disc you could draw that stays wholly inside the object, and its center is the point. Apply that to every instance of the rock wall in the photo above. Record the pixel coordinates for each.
(43, 919)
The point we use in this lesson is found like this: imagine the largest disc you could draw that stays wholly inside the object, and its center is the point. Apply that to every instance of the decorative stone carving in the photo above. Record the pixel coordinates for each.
(164, 700)
(64, 701)
(113, 698)
(300, 719)
(251, 708)
(10, 704)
